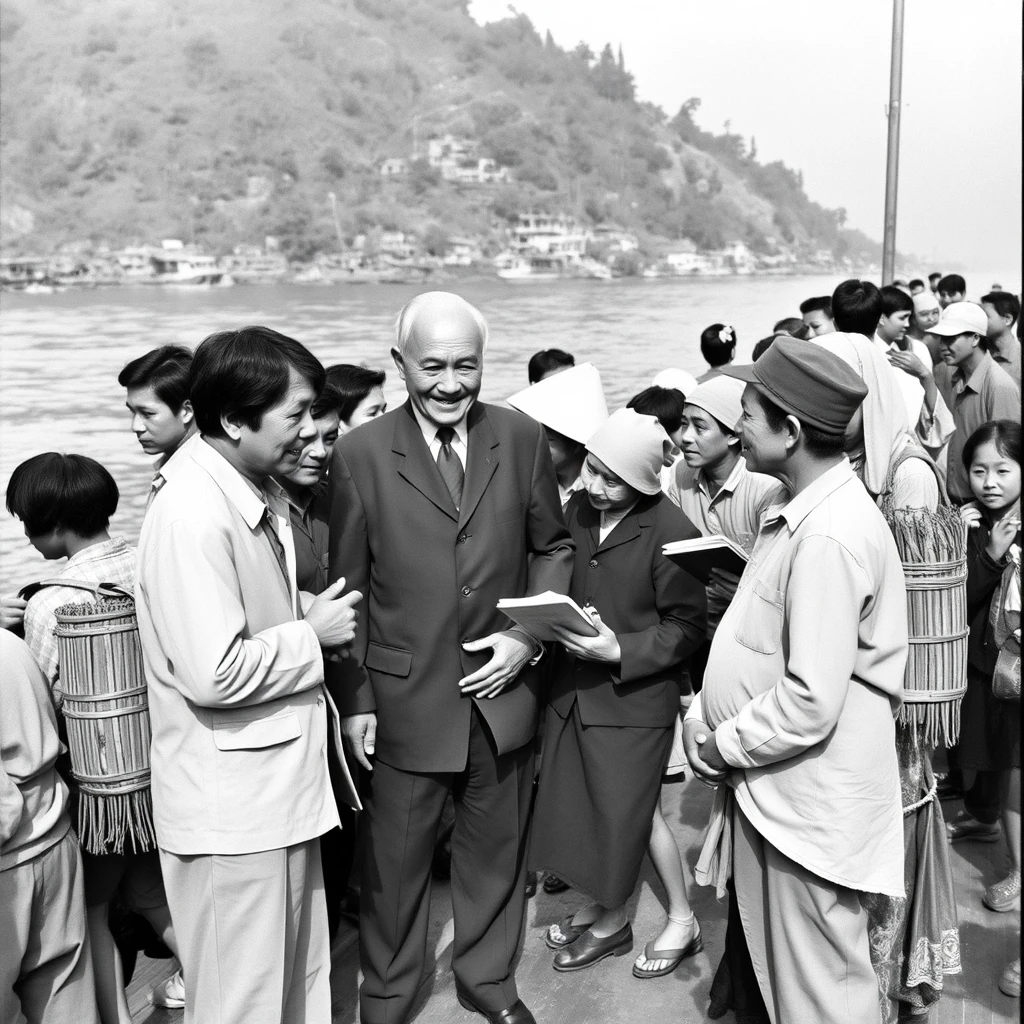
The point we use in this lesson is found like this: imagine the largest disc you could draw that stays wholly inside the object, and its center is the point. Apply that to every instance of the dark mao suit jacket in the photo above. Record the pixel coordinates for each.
(431, 577)
(656, 610)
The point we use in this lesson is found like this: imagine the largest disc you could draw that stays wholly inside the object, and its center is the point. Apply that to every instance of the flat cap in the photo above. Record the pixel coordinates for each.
(814, 385)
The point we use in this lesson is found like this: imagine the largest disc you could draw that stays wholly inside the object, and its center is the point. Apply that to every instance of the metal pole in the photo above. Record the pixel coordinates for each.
(892, 163)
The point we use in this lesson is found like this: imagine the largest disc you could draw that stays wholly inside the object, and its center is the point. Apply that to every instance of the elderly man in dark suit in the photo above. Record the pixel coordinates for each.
(438, 509)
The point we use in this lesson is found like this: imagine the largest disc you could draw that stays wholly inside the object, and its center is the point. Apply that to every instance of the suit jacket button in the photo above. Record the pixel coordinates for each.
(466, 591)
(593, 563)
(462, 538)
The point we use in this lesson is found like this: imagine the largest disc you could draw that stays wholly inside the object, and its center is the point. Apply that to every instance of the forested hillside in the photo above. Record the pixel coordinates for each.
(222, 123)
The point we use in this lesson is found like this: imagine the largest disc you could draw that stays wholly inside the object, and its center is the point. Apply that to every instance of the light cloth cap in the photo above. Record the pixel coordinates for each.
(570, 402)
(633, 447)
(961, 318)
(807, 381)
(673, 378)
(925, 301)
(721, 397)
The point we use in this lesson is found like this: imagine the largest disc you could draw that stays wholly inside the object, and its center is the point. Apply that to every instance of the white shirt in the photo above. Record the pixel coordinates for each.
(609, 520)
(460, 442)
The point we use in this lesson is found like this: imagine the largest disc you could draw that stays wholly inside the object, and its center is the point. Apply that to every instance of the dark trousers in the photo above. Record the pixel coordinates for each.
(981, 797)
(492, 807)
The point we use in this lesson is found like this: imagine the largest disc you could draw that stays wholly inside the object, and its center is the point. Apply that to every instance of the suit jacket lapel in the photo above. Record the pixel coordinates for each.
(590, 519)
(416, 465)
(642, 514)
(482, 461)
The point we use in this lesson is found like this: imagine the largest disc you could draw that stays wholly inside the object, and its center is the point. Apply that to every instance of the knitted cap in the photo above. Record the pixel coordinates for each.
(720, 397)
(571, 402)
(633, 447)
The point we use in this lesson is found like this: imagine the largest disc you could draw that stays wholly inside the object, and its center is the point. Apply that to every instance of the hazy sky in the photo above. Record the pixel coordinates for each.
(810, 80)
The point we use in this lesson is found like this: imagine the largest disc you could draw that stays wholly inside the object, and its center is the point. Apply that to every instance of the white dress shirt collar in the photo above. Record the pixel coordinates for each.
(460, 442)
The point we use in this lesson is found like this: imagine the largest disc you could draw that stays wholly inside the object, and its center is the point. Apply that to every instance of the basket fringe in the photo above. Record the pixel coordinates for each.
(941, 720)
(106, 822)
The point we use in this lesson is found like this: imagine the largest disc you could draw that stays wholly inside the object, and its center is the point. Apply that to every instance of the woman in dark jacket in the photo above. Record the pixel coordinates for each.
(615, 696)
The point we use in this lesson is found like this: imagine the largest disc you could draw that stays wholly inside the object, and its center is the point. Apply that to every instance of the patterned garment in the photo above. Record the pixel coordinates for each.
(112, 561)
(915, 941)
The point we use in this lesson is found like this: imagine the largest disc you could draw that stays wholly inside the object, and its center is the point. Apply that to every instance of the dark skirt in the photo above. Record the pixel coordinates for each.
(989, 727)
(599, 786)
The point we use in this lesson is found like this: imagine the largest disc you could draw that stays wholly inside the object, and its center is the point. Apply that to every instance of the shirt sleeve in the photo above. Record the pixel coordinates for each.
(827, 592)
(933, 429)
(39, 626)
(190, 585)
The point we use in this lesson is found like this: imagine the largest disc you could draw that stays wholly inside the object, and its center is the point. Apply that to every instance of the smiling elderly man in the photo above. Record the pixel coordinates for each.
(438, 509)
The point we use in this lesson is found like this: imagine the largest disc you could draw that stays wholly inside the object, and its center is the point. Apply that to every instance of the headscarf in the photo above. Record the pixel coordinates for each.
(633, 447)
(885, 412)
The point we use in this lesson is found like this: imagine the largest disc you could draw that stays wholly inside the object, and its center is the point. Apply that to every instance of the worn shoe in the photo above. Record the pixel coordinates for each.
(531, 884)
(517, 1013)
(966, 826)
(588, 949)
(553, 884)
(1004, 895)
(1009, 983)
(170, 993)
(560, 935)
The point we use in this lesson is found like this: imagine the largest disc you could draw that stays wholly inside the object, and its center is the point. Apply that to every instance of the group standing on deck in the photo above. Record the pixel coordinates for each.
(329, 678)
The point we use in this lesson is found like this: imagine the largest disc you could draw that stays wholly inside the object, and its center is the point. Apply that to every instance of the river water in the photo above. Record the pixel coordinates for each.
(60, 354)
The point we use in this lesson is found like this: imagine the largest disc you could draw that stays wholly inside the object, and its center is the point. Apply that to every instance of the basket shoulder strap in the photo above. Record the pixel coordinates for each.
(98, 590)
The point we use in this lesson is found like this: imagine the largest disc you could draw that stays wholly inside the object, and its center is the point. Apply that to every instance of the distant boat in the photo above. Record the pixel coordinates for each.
(189, 269)
(552, 267)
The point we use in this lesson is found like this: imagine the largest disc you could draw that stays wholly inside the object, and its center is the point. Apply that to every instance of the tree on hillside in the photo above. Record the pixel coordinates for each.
(611, 80)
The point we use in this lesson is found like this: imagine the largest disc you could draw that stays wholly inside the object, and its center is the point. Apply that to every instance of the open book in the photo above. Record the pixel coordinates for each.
(702, 554)
(538, 613)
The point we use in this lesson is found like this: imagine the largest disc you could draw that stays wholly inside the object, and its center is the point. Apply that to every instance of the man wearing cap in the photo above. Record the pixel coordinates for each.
(797, 713)
(971, 383)
(442, 507)
(570, 406)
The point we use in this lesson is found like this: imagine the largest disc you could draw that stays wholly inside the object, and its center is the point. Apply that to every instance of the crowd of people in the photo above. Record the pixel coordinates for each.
(338, 710)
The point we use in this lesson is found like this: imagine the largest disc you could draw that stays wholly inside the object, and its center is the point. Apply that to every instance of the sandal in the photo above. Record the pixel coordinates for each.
(674, 957)
(564, 932)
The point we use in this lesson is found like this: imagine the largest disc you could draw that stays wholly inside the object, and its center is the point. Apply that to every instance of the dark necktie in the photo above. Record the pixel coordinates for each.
(270, 529)
(450, 465)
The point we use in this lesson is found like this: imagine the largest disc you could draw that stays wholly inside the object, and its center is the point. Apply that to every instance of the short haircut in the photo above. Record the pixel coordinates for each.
(329, 400)
(548, 359)
(352, 384)
(436, 304)
(1005, 434)
(165, 370)
(916, 283)
(953, 283)
(822, 302)
(817, 442)
(665, 404)
(857, 307)
(763, 345)
(934, 276)
(1004, 303)
(895, 300)
(717, 344)
(793, 326)
(244, 373)
(72, 492)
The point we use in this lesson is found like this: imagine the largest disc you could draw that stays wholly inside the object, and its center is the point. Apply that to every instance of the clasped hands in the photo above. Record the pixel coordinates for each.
(701, 748)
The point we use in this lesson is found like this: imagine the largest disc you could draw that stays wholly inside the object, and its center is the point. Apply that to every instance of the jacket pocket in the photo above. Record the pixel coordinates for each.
(257, 734)
(392, 661)
(760, 626)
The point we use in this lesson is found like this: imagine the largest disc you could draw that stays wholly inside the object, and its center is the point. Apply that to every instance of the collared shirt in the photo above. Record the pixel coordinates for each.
(803, 681)
(1007, 355)
(734, 512)
(609, 520)
(460, 442)
(310, 534)
(111, 561)
(165, 465)
(565, 493)
(988, 394)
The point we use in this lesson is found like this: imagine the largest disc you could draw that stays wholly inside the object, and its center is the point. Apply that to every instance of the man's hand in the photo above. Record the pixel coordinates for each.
(333, 616)
(12, 611)
(360, 735)
(603, 647)
(511, 653)
(696, 737)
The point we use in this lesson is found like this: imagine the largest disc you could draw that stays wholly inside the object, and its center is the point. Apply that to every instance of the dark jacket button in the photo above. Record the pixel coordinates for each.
(466, 591)
(593, 563)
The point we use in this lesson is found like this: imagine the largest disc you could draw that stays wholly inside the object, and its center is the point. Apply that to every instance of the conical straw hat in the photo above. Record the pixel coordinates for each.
(673, 378)
(571, 402)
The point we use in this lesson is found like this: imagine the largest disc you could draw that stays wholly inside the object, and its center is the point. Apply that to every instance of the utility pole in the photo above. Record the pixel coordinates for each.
(337, 224)
(892, 163)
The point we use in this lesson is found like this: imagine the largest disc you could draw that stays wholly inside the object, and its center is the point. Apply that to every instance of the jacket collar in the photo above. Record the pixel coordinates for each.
(641, 516)
(250, 503)
(797, 509)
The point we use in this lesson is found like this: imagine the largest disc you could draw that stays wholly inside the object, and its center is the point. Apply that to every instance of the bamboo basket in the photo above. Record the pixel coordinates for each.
(933, 549)
(107, 713)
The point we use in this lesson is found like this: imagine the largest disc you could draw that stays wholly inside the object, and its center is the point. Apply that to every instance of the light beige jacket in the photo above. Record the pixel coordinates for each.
(238, 710)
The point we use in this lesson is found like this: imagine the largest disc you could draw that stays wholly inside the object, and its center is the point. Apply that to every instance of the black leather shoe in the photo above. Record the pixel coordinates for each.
(553, 884)
(531, 884)
(589, 949)
(517, 1013)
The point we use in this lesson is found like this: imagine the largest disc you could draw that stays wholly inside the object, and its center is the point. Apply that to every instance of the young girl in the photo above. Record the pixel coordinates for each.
(989, 727)
(614, 697)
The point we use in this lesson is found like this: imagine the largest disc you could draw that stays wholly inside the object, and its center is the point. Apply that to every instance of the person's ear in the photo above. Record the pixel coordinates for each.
(231, 425)
(399, 362)
(793, 432)
(186, 413)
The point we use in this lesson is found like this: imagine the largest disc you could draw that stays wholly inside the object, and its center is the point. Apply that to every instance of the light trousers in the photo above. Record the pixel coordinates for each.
(252, 929)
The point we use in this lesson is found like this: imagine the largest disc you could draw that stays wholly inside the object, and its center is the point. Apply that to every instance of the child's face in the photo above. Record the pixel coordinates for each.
(704, 442)
(606, 491)
(995, 478)
(158, 429)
